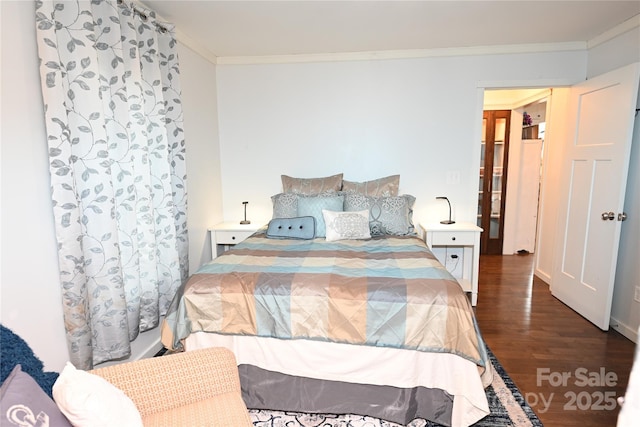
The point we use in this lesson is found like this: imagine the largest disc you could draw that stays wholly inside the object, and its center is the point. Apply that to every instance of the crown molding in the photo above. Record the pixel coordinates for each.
(195, 46)
(528, 83)
(401, 54)
(614, 32)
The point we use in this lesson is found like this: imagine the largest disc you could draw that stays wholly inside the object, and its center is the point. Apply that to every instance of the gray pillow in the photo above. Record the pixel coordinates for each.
(310, 186)
(387, 215)
(285, 205)
(22, 397)
(381, 187)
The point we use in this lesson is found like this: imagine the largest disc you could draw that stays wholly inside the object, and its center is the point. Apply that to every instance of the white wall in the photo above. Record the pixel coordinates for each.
(199, 100)
(29, 286)
(625, 311)
(31, 297)
(615, 53)
(416, 117)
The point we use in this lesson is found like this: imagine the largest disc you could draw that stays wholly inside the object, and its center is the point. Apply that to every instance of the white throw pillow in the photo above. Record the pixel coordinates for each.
(89, 400)
(346, 225)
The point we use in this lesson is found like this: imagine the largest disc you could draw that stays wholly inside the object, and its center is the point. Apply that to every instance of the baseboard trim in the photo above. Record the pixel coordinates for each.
(542, 276)
(146, 345)
(625, 330)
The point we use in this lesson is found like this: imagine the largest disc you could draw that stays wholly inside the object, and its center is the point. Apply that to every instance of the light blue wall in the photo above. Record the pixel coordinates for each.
(419, 118)
(615, 53)
(625, 311)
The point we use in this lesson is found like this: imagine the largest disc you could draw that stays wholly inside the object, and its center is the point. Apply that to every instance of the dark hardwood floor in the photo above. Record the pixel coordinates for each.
(539, 340)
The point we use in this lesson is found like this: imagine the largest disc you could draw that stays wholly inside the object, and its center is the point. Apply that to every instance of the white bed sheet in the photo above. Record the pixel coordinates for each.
(363, 365)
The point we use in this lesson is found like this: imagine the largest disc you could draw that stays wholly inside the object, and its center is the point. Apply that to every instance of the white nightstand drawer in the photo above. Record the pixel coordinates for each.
(224, 237)
(445, 238)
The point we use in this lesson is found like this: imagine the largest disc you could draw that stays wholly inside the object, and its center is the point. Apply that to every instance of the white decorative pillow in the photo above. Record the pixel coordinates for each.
(89, 400)
(346, 225)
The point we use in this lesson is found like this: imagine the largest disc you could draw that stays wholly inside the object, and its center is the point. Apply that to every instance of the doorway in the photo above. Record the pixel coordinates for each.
(527, 110)
(560, 135)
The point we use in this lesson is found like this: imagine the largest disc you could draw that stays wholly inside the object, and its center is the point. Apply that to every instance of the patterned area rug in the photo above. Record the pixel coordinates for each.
(508, 408)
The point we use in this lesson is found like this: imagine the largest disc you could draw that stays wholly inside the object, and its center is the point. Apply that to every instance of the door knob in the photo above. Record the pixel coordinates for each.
(622, 216)
(608, 216)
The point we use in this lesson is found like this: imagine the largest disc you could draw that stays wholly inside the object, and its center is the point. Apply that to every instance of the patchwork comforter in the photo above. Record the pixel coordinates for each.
(385, 292)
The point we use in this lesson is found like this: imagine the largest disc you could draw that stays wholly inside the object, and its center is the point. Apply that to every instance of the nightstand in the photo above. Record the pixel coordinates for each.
(457, 247)
(228, 234)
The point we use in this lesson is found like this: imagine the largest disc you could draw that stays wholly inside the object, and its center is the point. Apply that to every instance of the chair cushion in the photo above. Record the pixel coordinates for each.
(224, 410)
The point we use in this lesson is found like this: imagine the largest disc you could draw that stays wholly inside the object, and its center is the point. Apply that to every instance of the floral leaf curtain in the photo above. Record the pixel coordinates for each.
(110, 83)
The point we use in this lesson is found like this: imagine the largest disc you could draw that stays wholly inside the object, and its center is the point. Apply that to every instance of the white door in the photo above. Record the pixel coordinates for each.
(528, 193)
(595, 165)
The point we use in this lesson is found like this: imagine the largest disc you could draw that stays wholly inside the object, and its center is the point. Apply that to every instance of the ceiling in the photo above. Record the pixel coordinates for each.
(264, 28)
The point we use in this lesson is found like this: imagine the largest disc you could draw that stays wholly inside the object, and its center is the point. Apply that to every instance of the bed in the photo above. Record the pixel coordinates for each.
(374, 326)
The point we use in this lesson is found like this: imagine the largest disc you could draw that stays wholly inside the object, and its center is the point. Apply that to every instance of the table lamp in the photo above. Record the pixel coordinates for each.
(245, 214)
(449, 220)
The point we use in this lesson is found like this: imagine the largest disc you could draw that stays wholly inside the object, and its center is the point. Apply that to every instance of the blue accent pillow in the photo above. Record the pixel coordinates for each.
(303, 227)
(313, 206)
